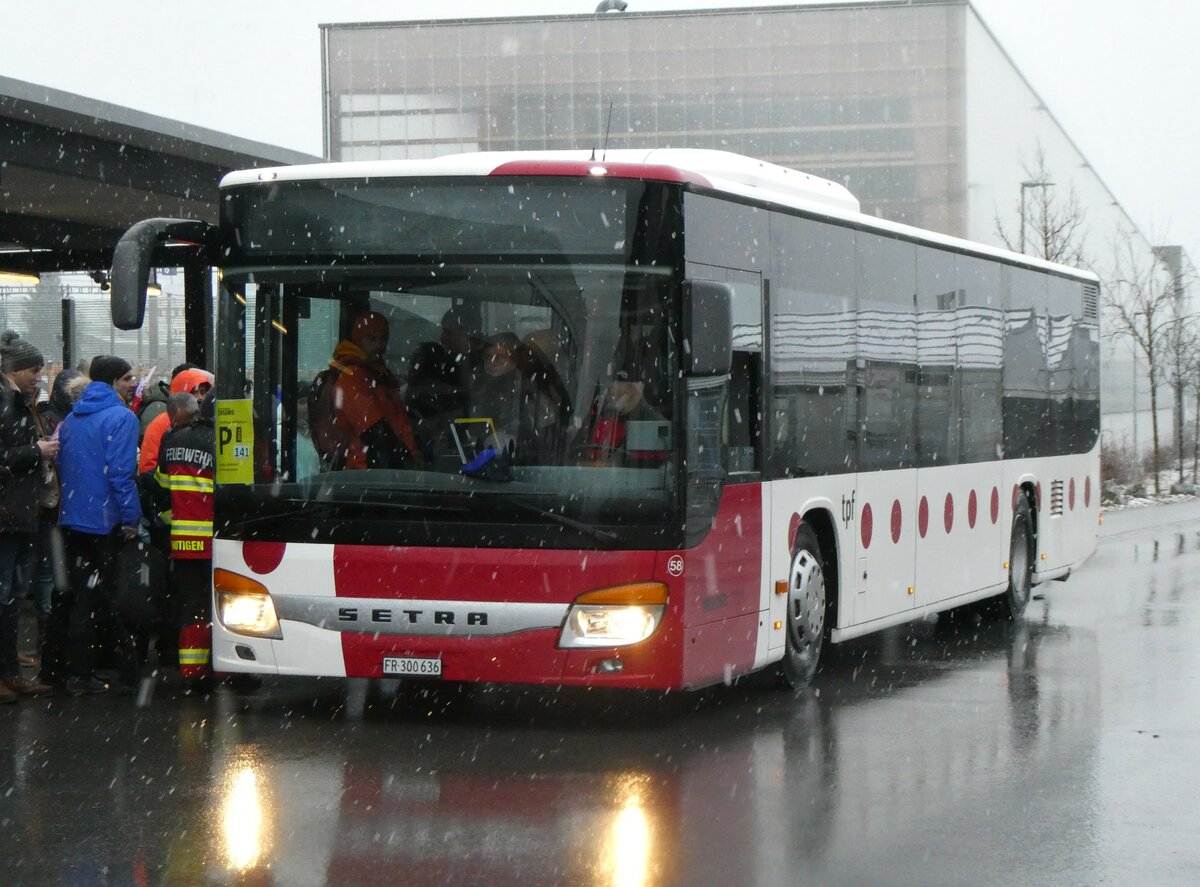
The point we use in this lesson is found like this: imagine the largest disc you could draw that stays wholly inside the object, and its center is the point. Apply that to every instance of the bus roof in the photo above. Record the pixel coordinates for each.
(720, 171)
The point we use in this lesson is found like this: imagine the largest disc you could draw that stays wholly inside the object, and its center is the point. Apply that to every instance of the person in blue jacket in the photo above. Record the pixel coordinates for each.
(97, 462)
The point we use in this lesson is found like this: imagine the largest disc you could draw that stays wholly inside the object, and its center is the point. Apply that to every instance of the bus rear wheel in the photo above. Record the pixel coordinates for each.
(1020, 562)
(804, 621)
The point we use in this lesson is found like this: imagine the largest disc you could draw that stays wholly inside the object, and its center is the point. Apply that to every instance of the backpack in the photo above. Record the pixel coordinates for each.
(328, 439)
(152, 404)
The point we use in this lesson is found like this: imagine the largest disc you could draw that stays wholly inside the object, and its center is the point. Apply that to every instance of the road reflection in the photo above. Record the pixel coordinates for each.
(242, 818)
(905, 739)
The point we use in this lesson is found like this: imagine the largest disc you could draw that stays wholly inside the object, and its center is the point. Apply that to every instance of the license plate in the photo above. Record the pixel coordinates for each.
(412, 666)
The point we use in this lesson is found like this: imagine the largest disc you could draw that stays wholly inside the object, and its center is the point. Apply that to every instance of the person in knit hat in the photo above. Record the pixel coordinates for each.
(114, 372)
(99, 513)
(18, 354)
(22, 452)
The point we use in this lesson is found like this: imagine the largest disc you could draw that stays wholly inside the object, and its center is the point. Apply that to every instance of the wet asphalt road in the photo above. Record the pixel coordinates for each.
(1062, 750)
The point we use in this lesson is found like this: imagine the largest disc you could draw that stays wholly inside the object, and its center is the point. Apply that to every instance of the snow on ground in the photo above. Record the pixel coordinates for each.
(1117, 497)
(1144, 501)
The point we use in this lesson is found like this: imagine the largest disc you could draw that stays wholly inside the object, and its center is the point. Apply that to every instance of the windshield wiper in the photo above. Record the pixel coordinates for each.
(321, 508)
(586, 529)
(306, 510)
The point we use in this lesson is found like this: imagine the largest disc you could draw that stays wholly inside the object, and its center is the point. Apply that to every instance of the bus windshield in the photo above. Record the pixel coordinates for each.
(522, 394)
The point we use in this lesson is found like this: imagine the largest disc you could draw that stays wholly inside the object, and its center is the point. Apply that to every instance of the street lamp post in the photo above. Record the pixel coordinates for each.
(1025, 186)
(1133, 353)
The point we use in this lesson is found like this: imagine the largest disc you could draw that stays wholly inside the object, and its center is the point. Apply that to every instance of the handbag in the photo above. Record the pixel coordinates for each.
(49, 488)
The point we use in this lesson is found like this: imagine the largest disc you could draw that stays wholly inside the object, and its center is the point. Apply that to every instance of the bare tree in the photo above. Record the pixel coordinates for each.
(1181, 339)
(1141, 301)
(1191, 381)
(1051, 225)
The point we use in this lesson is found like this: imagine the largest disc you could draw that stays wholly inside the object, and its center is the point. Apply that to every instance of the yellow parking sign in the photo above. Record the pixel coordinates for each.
(235, 442)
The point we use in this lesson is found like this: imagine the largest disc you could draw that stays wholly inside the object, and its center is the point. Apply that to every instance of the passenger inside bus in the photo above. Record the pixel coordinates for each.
(435, 397)
(441, 376)
(547, 403)
(463, 339)
(496, 389)
(642, 351)
(516, 384)
(362, 421)
(624, 429)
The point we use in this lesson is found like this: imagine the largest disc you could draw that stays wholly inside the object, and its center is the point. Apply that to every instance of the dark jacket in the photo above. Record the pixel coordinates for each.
(97, 462)
(20, 460)
(154, 403)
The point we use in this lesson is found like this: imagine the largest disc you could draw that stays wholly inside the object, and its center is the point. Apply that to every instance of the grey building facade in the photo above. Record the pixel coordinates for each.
(912, 105)
(869, 96)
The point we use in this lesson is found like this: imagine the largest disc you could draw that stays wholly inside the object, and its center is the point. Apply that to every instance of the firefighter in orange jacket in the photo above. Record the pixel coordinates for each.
(185, 472)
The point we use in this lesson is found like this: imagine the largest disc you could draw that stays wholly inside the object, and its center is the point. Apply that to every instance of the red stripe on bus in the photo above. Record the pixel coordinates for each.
(600, 169)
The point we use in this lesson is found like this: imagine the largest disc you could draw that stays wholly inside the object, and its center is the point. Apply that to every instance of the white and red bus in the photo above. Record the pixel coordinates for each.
(730, 419)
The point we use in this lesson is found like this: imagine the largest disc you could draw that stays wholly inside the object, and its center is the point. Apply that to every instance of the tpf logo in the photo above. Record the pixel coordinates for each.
(675, 565)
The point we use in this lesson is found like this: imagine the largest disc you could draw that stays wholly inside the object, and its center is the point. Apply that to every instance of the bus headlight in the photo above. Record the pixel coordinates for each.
(244, 606)
(614, 617)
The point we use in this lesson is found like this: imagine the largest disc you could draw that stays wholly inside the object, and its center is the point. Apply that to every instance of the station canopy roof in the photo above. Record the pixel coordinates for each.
(75, 173)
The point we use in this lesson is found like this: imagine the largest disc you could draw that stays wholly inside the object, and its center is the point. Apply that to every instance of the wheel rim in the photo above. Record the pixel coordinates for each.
(806, 605)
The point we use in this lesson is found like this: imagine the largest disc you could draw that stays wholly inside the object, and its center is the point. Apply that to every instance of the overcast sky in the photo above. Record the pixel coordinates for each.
(1120, 75)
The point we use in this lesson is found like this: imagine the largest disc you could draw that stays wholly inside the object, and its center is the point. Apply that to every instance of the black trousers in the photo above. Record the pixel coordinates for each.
(93, 571)
(191, 591)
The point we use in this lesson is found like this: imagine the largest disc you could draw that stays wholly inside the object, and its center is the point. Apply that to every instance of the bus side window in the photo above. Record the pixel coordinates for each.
(743, 413)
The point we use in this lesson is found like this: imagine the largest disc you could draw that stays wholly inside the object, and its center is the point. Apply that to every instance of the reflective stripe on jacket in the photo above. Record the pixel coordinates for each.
(185, 470)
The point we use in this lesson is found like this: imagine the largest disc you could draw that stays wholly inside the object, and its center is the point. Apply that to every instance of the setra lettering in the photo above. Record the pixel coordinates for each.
(384, 615)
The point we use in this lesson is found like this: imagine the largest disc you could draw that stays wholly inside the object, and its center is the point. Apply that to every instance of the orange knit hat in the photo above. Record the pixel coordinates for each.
(190, 380)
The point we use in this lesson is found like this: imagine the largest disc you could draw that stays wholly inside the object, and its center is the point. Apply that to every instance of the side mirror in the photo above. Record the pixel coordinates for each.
(707, 328)
(134, 256)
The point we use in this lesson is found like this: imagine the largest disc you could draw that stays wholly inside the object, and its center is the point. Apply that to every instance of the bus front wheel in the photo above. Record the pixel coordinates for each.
(1020, 561)
(805, 618)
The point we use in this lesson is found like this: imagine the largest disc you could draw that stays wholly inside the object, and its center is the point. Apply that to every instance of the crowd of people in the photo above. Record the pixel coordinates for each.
(105, 462)
(80, 480)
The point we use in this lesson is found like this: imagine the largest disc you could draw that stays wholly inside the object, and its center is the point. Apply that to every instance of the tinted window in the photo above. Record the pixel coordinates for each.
(887, 352)
(725, 234)
(417, 216)
(812, 348)
(937, 357)
(1026, 372)
(979, 334)
(1073, 361)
